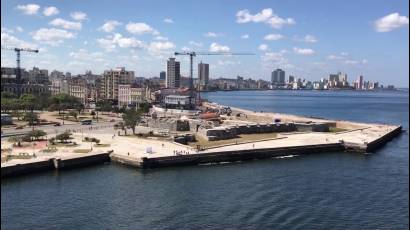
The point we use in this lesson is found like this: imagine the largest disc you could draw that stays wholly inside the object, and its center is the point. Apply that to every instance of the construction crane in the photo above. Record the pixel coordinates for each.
(193, 54)
(18, 74)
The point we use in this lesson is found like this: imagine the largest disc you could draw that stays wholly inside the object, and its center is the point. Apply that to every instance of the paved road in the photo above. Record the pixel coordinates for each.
(51, 129)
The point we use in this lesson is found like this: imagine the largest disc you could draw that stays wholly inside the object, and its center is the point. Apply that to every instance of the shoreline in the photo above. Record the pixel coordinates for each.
(360, 137)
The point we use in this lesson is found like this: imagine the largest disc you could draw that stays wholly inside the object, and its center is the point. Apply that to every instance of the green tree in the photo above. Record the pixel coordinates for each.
(31, 118)
(63, 137)
(9, 95)
(144, 107)
(36, 134)
(131, 118)
(62, 102)
(28, 101)
(73, 114)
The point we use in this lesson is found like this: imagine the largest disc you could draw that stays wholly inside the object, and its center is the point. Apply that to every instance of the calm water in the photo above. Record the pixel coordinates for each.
(324, 191)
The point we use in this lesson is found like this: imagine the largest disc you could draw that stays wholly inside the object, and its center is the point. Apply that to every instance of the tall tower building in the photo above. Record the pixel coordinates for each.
(203, 74)
(162, 75)
(112, 78)
(361, 84)
(173, 74)
(278, 77)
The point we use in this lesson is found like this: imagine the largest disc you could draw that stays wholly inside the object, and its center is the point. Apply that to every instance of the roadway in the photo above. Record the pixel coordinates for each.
(51, 129)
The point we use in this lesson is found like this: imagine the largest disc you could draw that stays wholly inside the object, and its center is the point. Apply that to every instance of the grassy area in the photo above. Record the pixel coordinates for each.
(336, 130)
(102, 145)
(243, 138)
(58, 144)
(82, 150)
(50, 150)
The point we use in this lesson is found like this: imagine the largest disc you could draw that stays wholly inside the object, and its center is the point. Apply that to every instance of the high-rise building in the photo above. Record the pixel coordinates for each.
(203, 75)
(291, 79)
(112, 78)
(173, 74)
(162, 75)
(361, 83)
(278, 77)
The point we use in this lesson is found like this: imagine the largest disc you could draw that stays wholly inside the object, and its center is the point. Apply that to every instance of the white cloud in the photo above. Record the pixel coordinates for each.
(160, 38)
(243, 16)
(227, 62)
(84, 55)
(168, 20)
(124, 42)
(29, 9)
(273, 37)
(334, 57)
(310, 38)
(364, 61)
(390, 22)
(351, 62)
(140, 28)
(303, 51)
(111, 42)
(344, 53)
(185, 49)
(78, 16)
(245, 36)
(265, 16)
(107, 44)
(263, 47)
(66, 24)
(157, 47)
(215, 47)
(19, 29)
(7, 30)
(198, 44)
(52, 36)
(211, 35)
(275, 57)
(277, 22)
(109, 26)
(8, 40)
(50, 11)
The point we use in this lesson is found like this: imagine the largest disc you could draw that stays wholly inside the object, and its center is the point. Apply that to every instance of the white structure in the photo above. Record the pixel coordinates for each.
(128, 95)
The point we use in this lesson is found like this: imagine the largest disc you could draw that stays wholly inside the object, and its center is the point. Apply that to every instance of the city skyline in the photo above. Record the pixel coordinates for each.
(306, 43)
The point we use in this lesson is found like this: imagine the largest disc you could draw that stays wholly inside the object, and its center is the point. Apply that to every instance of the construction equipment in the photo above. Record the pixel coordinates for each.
(192, 54)
(18, 74)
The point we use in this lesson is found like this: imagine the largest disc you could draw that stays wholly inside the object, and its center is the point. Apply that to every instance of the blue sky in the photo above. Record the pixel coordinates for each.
(308, 39)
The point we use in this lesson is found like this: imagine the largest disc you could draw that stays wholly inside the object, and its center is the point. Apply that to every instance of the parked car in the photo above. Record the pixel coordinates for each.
(57, 124)
(19, 127)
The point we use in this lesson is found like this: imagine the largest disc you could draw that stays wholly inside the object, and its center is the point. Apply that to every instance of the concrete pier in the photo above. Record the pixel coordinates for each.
(262, 150)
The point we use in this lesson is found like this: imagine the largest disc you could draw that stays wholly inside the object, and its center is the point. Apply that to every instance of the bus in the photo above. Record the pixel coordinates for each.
(86, 122)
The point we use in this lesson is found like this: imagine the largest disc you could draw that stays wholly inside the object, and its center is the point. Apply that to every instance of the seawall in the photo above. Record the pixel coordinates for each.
(241, 155)
(54, 164)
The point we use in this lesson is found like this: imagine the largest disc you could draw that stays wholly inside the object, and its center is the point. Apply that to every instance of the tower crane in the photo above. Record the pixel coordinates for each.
(193, 54)
(18, 74)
